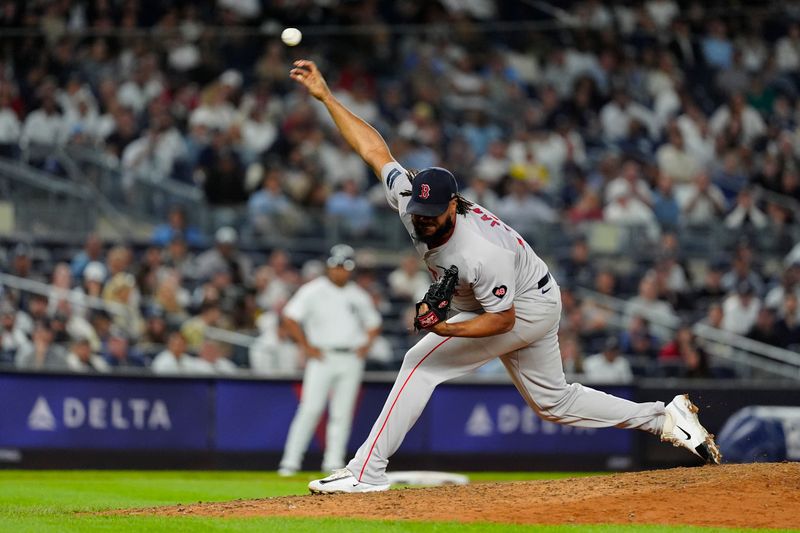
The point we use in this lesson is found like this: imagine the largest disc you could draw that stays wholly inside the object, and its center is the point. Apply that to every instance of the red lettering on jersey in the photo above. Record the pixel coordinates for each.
(494, 223)
(520, 241)
(477, 210)
(486, 217)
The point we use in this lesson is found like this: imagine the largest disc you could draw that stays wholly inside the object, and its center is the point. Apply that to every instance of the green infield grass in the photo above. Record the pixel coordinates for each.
(63, 501)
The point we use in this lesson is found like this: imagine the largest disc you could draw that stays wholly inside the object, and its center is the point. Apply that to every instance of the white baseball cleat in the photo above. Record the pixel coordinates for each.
(682, 428)
(343, 481)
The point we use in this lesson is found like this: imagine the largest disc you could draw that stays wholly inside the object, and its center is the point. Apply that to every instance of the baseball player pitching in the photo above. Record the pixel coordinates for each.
(508, 305)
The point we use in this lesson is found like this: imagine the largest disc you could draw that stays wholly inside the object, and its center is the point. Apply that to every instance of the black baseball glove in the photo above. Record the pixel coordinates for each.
(437, 300)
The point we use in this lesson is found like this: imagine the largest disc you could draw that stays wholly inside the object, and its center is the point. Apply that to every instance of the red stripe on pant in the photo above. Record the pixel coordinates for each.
(366, 461)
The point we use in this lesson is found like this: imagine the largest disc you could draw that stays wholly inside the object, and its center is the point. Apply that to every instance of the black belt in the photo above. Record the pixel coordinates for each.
(341, 349)
(544, 281)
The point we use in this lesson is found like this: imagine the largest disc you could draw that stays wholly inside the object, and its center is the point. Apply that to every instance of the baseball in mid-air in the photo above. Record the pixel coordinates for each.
(291, 36)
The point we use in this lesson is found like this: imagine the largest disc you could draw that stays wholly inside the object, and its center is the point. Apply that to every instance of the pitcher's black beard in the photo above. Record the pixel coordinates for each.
(436, 235)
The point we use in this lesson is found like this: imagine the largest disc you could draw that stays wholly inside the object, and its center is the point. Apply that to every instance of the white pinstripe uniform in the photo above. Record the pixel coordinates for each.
(497, 268)
(335, 320)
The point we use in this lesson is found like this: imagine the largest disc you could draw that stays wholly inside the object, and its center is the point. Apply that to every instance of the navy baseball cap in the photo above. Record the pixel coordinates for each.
(431, 192)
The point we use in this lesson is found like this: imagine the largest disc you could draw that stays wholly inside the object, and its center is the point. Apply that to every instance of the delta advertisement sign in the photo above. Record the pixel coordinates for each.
(226, 415)
(100, 413)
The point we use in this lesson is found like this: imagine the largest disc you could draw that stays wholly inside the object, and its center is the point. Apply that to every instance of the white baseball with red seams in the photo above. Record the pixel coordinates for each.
(497, 268)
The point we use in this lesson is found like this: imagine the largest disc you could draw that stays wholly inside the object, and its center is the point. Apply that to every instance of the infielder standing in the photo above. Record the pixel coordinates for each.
(509, 305)
(334, 322)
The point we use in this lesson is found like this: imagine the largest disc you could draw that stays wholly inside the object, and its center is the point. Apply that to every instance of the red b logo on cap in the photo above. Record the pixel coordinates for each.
(425, 191)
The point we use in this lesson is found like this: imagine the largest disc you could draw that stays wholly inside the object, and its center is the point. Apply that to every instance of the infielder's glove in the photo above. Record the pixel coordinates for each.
(437, 300)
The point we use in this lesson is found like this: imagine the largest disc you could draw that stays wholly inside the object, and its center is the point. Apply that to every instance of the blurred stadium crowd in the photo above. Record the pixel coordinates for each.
(674, 119)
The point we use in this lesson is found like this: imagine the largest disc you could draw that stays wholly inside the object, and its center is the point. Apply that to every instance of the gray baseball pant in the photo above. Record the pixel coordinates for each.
(532, 358)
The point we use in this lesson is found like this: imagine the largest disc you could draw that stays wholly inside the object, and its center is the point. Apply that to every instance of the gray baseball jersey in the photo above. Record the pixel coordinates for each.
(496, 268)
(494, 262)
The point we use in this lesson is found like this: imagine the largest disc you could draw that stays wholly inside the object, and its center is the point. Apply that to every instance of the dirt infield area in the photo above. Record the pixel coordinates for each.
(752, 495)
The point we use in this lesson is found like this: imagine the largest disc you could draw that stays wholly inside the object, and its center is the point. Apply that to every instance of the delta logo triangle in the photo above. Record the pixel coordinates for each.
(41, 417)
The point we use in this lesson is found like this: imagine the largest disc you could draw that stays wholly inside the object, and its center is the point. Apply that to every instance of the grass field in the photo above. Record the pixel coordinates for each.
(57, 501)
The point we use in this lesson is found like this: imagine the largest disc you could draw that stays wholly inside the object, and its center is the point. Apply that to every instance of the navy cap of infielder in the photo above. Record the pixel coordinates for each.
(431, 192)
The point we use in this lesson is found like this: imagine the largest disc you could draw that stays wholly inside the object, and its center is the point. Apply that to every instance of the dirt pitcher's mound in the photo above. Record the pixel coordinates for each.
(753, 495)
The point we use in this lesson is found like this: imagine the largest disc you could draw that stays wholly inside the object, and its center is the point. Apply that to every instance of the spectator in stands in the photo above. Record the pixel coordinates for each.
(42, 353)
(665, 204)
(176, 360)
(608, 366)
(178, 257)
(22, 263)
(711, 288)
(171, 297)
(636, 340)
(92, 251)
(9, 122)
(740, 310)
(44, 126)
(351, 209)
(271, 292)
(789, 284)
(618, 114)
(220, 171)
(729, 177)
(479, 192)
(269, 204)
(12, 338)
(120, 355)
(746, 216)
(675, 160)
(273, 351)
(121, 290)
(742, 271)
(217, 356)
(647, 305)
(571, 357)
(154, 155)
(408, 282)
(155, 333)
(193, 331)
(701, 202)
(225, 255)
(177, 226)
(524, 206)
(764, 329)
(81, 359)
(787, 329)
(578, 268)
(685, 355)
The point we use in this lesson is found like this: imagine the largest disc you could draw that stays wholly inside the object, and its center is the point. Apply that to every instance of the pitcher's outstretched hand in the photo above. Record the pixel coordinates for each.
(307, 73)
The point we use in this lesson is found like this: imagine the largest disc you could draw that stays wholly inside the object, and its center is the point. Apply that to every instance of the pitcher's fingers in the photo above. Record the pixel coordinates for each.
(306, 63)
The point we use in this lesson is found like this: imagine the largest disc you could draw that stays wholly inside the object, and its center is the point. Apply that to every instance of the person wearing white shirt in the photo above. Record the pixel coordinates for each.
(675, 160)
(273, 352)
(45, 126)
(787, 50)
(608, 366)
(746, 211)
(752, 125)
(702, 202)
(408, 281)
(740, 310)
(175, 359)
(334, 322)
(217, 356)
(9, 124)
(81, 359)
(617, 115)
